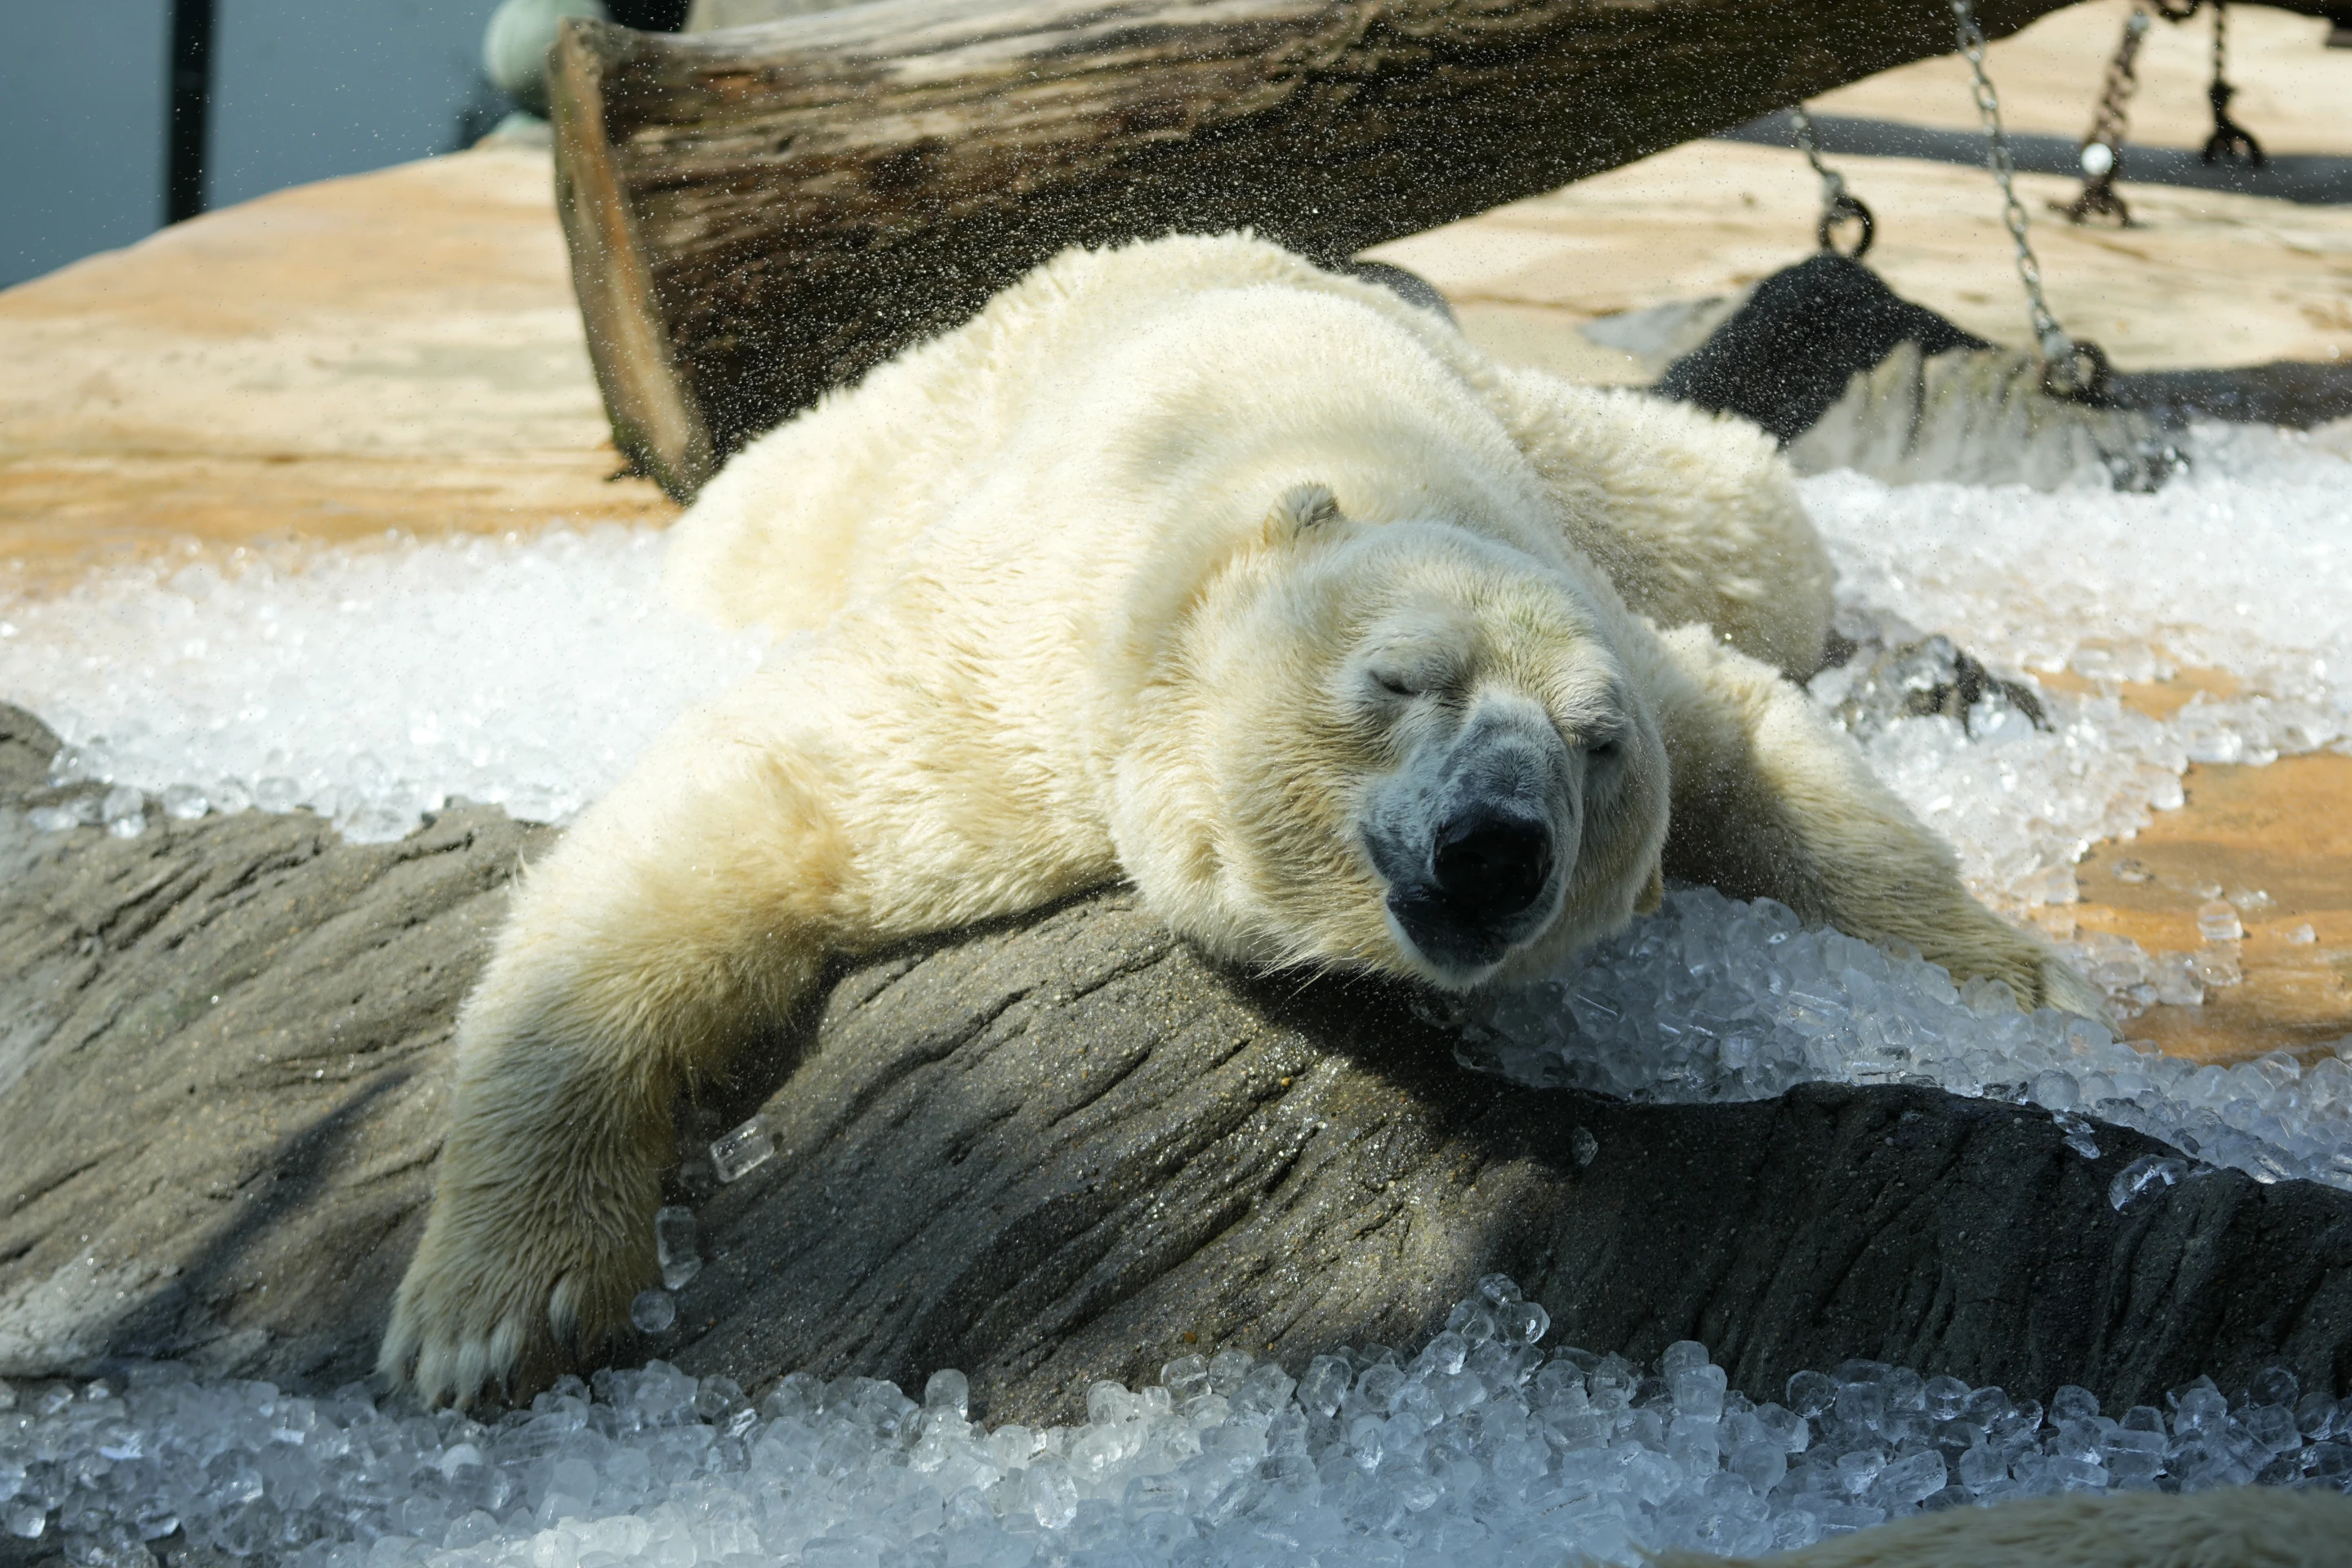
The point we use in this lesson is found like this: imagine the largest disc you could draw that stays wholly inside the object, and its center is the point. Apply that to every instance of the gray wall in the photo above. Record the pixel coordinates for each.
(82, 128)
(302, 90)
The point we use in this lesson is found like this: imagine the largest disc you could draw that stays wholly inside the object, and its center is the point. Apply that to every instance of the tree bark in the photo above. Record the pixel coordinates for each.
(759, 214)
(1060, 1150)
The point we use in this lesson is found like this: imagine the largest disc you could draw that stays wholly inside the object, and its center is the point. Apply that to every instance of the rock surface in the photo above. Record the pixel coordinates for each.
(1056, 1151)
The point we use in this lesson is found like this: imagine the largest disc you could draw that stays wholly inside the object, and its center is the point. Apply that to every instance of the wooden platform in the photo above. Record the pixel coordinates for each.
(396, 351)
(2293, 91)
(2207, 280)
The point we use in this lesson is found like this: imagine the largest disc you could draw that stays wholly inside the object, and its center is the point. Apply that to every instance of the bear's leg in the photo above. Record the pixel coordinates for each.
(682, 917)
(1772, 800)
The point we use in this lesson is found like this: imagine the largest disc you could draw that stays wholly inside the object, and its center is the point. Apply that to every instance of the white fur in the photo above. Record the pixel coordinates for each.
(1190, 564)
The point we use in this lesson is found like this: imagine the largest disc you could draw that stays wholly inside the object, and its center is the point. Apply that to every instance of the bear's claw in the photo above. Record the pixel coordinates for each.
(464, 1326)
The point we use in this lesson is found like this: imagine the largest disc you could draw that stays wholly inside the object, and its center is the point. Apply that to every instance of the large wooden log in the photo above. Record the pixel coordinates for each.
(761, 213)
(1056, 1150)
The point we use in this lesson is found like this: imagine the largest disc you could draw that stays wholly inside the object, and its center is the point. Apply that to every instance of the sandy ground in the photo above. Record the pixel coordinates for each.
(393, 351)
(400, 351)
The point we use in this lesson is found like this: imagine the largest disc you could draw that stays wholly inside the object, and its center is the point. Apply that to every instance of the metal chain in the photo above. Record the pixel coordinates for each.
(2102, 150)
(2070, 368)
(2230, 142)
(1838, 205)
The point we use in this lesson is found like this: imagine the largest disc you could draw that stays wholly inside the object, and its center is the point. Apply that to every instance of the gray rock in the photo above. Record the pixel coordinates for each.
(223, 1053)
(1050, 1152)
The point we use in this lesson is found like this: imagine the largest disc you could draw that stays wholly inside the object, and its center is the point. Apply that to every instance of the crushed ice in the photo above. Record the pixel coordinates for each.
(369, 685)
(2242, 566)
(1716, 1000)
(1479, 1449)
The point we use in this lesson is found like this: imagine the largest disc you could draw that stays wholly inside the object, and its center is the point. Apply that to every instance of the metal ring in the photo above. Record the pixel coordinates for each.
(1837, 212)
(2081, 377)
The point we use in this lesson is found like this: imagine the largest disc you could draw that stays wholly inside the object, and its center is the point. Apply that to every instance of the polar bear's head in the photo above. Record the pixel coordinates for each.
(1400, 746)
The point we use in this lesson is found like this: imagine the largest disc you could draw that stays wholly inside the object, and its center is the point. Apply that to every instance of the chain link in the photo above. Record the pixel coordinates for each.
(2069, 368)
(1838, 205)
(2102, 145)
(2230, 142)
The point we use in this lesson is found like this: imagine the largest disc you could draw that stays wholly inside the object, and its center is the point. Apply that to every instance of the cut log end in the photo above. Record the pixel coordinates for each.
(757, 216)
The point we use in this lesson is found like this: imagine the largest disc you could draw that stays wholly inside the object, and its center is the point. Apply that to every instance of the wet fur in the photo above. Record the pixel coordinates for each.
(1093, 587)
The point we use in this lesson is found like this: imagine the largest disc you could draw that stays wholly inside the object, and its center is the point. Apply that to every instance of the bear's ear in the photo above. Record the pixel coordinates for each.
(1653, 891)
(1302, 506)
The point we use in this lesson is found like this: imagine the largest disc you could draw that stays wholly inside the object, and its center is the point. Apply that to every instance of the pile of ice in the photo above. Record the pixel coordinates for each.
(2241, 565)
(1714, 1000)
(368, 685)
(1478, 1450)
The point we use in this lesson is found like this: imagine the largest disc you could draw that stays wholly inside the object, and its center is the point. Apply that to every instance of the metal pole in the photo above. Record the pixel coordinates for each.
(188, 112)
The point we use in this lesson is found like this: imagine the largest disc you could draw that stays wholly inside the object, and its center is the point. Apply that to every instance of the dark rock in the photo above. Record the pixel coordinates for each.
(1051, 1151)
(1787, 353)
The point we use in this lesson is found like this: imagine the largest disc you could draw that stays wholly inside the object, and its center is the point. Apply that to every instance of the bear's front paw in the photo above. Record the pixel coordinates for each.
(505, 1300)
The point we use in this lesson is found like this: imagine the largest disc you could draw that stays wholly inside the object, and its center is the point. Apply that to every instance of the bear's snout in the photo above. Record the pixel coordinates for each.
(1474, 840)
(1492, 865)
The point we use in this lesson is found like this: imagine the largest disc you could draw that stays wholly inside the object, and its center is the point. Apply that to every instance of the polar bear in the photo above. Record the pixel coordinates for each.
(1191, 564)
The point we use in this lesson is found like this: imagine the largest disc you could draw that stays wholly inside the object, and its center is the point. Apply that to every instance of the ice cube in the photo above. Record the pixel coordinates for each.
(949, 1392)
(1584, 1146)
(2079, 1136)
(675, 1246)
(2053, 1089)
(2217, 965)
(2129, 870)
(738, 1154)
(184, 803)
(124, 812)
(2177, 983)
(2217, 921)
(2144, 1174)
(2301, 935)
(1522, 1322)
(2072, 1402)
(653, 1312)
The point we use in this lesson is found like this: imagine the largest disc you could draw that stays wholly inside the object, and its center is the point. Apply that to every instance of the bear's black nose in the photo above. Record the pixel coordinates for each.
(1492, 866)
